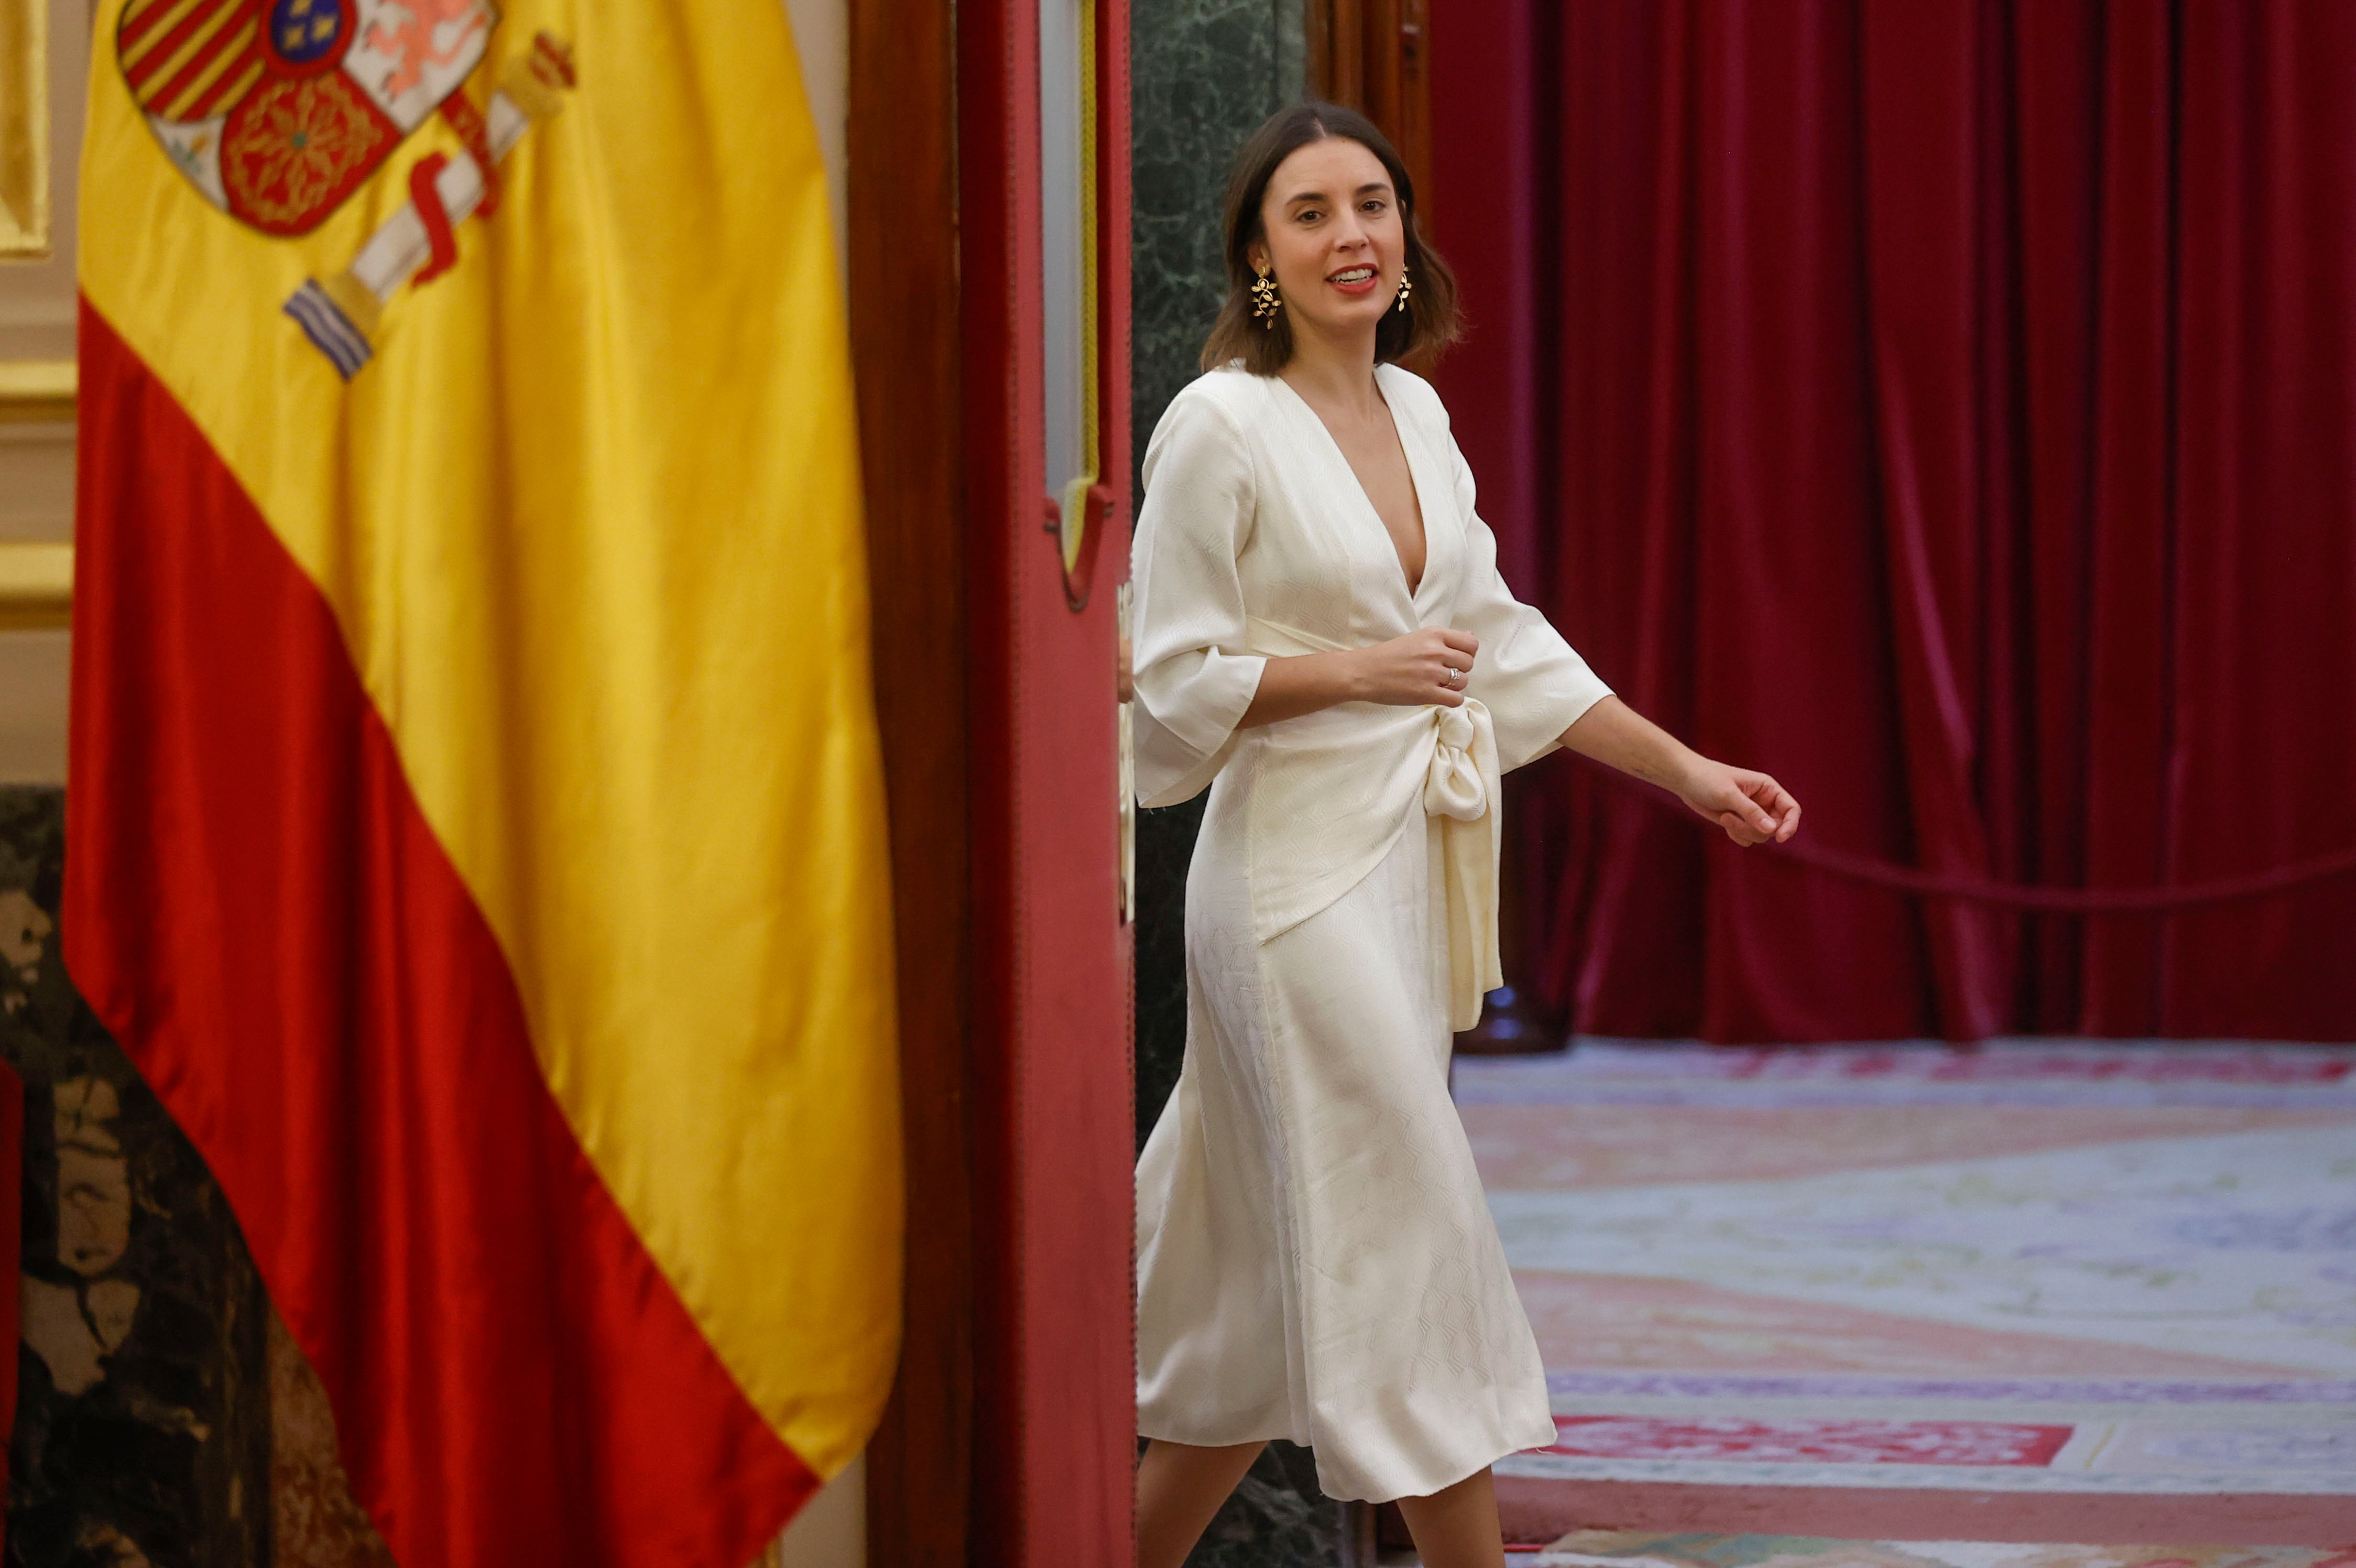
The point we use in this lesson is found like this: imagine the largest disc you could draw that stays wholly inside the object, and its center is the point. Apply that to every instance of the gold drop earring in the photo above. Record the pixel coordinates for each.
(1406, 287)
(1265, 300)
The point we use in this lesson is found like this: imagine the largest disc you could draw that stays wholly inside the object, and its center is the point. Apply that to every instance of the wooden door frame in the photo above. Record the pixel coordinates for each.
(1009, 1435)
(1374, 56)
(902, 243)
(1053, 1092)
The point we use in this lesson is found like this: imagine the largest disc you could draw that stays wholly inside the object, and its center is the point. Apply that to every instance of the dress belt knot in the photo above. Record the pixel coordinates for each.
(1460, 790)
(1456, 787)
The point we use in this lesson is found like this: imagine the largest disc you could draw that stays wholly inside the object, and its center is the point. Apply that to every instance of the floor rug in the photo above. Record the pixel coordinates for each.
(2024, 1292)
(1617, 1549)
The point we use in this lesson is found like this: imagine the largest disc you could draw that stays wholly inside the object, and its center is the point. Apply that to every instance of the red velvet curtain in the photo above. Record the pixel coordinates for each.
(1950, 407)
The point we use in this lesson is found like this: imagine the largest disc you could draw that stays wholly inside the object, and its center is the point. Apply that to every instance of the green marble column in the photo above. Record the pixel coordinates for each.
(1204, 74)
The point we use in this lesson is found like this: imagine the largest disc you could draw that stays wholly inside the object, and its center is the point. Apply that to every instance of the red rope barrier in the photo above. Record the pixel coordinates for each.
(1888, 875)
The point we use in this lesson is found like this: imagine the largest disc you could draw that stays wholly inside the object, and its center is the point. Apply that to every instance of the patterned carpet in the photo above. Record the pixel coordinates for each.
(2028, 1293)
(1613, 1548)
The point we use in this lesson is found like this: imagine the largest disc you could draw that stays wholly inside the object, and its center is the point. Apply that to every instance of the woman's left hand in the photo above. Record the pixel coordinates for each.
(1752, 808)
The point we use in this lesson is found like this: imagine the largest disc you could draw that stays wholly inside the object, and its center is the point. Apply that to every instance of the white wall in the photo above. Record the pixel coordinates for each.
(822, 34)
(831, 1530)
(36, 322)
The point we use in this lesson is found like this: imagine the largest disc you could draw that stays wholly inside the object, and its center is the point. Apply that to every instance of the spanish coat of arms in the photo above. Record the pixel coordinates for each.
(278, 110)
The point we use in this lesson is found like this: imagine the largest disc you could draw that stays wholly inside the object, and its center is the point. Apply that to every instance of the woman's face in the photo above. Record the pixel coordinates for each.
(1331, 232)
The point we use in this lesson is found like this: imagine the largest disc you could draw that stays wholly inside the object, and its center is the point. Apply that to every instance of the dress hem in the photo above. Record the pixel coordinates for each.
(1347, 1495)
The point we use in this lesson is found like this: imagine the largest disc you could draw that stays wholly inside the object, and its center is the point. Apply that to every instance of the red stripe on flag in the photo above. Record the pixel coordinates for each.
(138, 20)
(257, 909)
(138, 15)
(240, 72)
(169, 45)
(162, 99)
(426, 199)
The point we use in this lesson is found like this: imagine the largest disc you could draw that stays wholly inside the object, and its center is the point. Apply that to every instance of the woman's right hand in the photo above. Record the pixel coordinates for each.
(1424, 667)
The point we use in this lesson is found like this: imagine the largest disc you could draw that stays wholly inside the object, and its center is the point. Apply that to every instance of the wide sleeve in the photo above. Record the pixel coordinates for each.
(1192, 676)
(1533, 682)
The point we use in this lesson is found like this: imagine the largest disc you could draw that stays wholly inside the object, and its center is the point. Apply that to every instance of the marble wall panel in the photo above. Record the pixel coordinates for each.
(165, 1418)
(142, 1431)
(1277, 1518)
(314, 1522)
(1204, 73)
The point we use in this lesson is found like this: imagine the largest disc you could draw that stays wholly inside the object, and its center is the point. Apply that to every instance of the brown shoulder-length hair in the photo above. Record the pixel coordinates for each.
(1431, 321)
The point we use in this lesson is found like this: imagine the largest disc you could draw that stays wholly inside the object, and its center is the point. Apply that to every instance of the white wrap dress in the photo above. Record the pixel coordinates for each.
(1315, 1258)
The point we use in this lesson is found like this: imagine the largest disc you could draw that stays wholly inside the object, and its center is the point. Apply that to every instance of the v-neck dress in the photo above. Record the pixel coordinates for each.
(1315, 1258)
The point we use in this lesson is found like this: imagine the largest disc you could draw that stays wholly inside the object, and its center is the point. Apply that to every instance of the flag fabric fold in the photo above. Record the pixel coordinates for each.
(476, 826)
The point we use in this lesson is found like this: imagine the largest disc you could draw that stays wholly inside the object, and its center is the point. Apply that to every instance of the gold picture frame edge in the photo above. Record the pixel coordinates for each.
(36, 586)
(24, 130)
(38, 392)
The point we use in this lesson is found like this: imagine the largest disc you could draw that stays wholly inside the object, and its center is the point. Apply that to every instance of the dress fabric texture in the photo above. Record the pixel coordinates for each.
(1315, 1258)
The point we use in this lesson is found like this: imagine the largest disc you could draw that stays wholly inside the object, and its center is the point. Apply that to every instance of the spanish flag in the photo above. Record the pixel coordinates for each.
(475, 820)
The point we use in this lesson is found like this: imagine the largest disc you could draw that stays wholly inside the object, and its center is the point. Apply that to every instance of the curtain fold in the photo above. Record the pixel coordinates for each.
(1950, 411)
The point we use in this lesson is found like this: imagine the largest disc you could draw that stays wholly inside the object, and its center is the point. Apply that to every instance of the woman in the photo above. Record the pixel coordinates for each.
(1322, 638)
